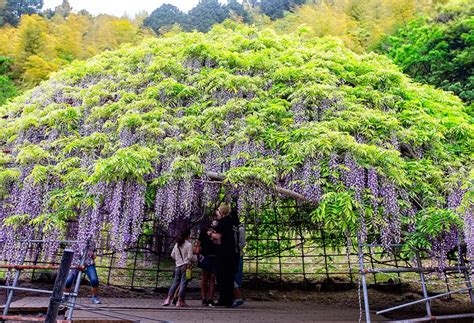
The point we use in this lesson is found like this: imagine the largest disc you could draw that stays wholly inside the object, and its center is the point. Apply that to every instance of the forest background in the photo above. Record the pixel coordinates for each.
(431, 40)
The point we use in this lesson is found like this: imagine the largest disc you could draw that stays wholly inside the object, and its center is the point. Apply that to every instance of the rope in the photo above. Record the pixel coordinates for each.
(359, 283)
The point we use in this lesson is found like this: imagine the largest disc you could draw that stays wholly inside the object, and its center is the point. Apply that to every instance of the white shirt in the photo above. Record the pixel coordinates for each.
(186, 252)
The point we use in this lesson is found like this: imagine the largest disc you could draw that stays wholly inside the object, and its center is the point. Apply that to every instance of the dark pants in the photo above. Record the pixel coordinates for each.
(225, 279)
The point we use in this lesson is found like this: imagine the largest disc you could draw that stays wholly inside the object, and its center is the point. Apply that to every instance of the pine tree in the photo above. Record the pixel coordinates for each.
(14, 9)
(236, 8)
(3, 4)
(276, 8)
(205, 14)
(166, 15)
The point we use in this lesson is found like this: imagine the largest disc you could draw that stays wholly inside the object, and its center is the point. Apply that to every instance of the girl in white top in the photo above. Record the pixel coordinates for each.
(183, 255)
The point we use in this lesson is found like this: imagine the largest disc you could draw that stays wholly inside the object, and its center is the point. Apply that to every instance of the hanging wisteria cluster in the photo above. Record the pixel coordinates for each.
(168, 130)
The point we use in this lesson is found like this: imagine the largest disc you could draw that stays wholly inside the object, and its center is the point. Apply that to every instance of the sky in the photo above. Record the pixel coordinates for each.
(119, 7)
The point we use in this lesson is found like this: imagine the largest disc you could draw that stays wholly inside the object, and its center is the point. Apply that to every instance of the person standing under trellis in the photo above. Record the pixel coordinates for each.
(91, 272)
(239, 236)
(206, 248)
(183, 255)
(223, 236)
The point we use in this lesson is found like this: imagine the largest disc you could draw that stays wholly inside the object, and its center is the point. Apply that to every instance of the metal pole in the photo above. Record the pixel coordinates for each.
(423, 285)
(15, 282)
(58, 289)
(10, 292)
(76, 286)
(364, 283)
(422, 300)
(41, 291)
(437, 317)
(411, 270)
(466, 277)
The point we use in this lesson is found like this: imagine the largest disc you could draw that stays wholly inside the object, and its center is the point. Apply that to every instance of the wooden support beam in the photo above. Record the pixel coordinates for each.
(279, 189)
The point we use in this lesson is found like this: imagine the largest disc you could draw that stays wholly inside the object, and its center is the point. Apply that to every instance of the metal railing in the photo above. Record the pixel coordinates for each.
(58, 289)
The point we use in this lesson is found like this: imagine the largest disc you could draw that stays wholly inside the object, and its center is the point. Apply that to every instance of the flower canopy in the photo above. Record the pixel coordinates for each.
(146, 132)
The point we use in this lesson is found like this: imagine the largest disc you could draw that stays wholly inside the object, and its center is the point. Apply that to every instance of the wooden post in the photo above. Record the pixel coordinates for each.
(324, 253)
(256, 228)
(277, 225)
(58, 289)
(348, 255)
(110, 267)
(135, 264)
(372, 263)
(300, 231)
(467, 278)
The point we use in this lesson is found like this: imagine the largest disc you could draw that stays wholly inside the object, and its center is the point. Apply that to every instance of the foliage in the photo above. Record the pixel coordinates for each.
(165, 15)
(202, 17)
(14, 9)
(7, 88)
(360, 24)
(438, 50)
(276, 8)
(40, 46)
(126, 163)
(205, 14)
(368, 149)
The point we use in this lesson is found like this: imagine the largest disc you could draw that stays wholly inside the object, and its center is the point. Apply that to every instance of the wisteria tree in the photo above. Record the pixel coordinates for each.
(166, 129)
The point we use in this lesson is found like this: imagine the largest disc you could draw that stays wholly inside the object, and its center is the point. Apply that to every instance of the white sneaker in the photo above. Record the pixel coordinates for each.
(95, 300)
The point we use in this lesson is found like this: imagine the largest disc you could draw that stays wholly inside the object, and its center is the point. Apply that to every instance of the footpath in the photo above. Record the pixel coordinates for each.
(150, 310)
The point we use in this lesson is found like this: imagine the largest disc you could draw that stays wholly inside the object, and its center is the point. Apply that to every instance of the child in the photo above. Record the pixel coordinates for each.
(91, 272)
(183, 255)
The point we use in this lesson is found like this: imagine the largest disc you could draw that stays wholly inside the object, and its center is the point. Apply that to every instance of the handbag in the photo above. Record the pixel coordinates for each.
(189, 267)
(189, 272)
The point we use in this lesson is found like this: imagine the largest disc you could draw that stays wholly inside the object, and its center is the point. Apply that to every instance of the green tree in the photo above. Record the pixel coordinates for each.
(7, 88)
(32, 37)
(236, 8)
(3, 4)
(439, 50)
(64, 9)
(164, 16)
(14, 9)
(276, 8)
(206, 14)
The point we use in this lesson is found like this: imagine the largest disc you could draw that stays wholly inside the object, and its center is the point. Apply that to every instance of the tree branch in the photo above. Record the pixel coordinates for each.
(279, 189)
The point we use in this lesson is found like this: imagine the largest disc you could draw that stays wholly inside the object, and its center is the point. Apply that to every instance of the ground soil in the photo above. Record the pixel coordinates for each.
(348, 299)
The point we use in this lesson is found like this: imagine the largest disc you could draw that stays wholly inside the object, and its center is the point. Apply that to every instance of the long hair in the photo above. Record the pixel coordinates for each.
(183, 236)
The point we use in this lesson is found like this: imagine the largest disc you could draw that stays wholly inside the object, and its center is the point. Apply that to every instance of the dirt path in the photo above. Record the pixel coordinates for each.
(263, 305)
(253, 311)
